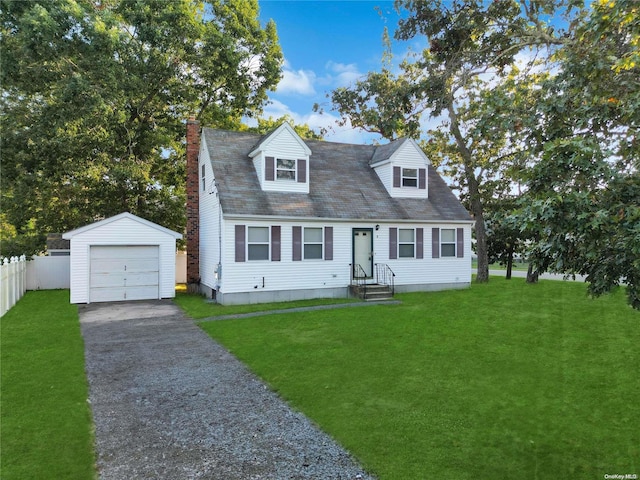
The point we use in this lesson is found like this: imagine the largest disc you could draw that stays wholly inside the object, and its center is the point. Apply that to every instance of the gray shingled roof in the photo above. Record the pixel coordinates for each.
(342, 184)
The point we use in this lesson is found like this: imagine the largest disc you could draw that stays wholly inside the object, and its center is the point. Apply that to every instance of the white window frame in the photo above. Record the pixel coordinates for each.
(255, 243)
(203, 169)
(279, 169)
(443, 243)
(401, 243)
(406, 178)
(312, 243)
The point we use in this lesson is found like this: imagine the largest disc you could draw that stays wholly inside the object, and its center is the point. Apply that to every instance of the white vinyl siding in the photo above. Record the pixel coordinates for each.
(425, 270)
(289, 275)
(210, 223)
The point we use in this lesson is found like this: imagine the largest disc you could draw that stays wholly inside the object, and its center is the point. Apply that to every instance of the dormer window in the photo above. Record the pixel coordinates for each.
(282, 161)
(409, 177)
(285, 169)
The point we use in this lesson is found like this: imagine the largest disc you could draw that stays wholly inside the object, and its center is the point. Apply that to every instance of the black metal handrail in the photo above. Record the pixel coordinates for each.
(359, 278)
(385, 276)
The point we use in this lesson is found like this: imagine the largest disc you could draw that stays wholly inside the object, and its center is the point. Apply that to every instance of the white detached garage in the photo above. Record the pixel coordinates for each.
(122, 258)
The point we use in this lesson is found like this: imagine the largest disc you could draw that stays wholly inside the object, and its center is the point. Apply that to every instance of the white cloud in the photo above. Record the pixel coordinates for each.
(342, 75)
(296, 82)
(320, 122)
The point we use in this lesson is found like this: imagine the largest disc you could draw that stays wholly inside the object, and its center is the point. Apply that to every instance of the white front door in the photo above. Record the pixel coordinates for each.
(363, 252)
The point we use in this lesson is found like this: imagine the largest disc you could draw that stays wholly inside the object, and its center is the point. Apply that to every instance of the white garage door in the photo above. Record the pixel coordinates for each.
(123, 273)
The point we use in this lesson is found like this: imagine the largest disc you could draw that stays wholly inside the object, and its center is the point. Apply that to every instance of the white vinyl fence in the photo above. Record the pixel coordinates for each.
(13, 282)
(48, 273)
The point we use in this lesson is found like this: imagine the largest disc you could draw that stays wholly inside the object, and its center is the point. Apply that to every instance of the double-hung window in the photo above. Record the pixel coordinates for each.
(204, 183)
(258, 243)
(406, 243)
(312, 243)
(409, 177)
(447, 242)
(285, 169)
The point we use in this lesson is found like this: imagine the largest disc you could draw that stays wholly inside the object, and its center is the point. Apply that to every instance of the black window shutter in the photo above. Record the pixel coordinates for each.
(240, 243)
(435, 243)
(419, 242)
(297, 244)
(269, 168)
(396, 177)
(460, 243)
(275, 243)
(422, 178)
(302, 171)
(328, 243)
(393, 243)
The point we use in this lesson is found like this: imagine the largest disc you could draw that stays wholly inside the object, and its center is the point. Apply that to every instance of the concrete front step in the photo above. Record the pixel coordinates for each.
(373, 292)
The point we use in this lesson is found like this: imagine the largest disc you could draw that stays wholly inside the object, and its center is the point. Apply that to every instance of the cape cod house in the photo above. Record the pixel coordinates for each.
(276, 217)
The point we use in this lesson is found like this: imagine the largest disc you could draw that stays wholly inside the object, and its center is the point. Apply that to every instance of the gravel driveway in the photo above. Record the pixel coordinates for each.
(170, 403)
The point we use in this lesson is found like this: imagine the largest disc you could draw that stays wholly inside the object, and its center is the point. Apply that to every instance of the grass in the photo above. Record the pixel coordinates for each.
(504, 380)
(197, 307)
(45, 419)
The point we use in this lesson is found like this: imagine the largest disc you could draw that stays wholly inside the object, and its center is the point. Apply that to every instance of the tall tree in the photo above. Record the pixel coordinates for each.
(265, 125)
(471, 47)
(95, 94)
(583, 202)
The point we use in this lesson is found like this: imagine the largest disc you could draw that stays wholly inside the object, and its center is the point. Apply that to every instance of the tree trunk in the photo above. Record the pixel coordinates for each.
(509, 264)
(532, 276)
(482, 250)
(477, 209)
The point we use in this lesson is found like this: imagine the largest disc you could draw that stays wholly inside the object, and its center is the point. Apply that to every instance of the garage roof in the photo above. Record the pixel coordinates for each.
(127, 215)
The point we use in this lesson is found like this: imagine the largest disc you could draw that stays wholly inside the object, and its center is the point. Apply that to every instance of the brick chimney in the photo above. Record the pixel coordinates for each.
(193, 206)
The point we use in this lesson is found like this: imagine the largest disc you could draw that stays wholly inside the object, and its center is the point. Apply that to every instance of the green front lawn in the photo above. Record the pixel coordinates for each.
(45, 418)
(504, 380)
(197, 307)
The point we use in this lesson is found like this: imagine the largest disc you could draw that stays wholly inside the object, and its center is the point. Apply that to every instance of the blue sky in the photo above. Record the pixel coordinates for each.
(326, 44)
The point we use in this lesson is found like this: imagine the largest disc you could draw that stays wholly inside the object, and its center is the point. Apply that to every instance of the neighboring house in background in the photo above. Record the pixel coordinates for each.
(275, 217)
(57, 246)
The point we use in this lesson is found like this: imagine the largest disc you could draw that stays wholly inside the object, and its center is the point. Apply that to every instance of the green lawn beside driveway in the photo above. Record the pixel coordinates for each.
(46, 427)
(503, 380)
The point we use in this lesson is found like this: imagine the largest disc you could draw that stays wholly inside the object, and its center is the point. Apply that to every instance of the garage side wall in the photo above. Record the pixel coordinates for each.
(122, 232)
